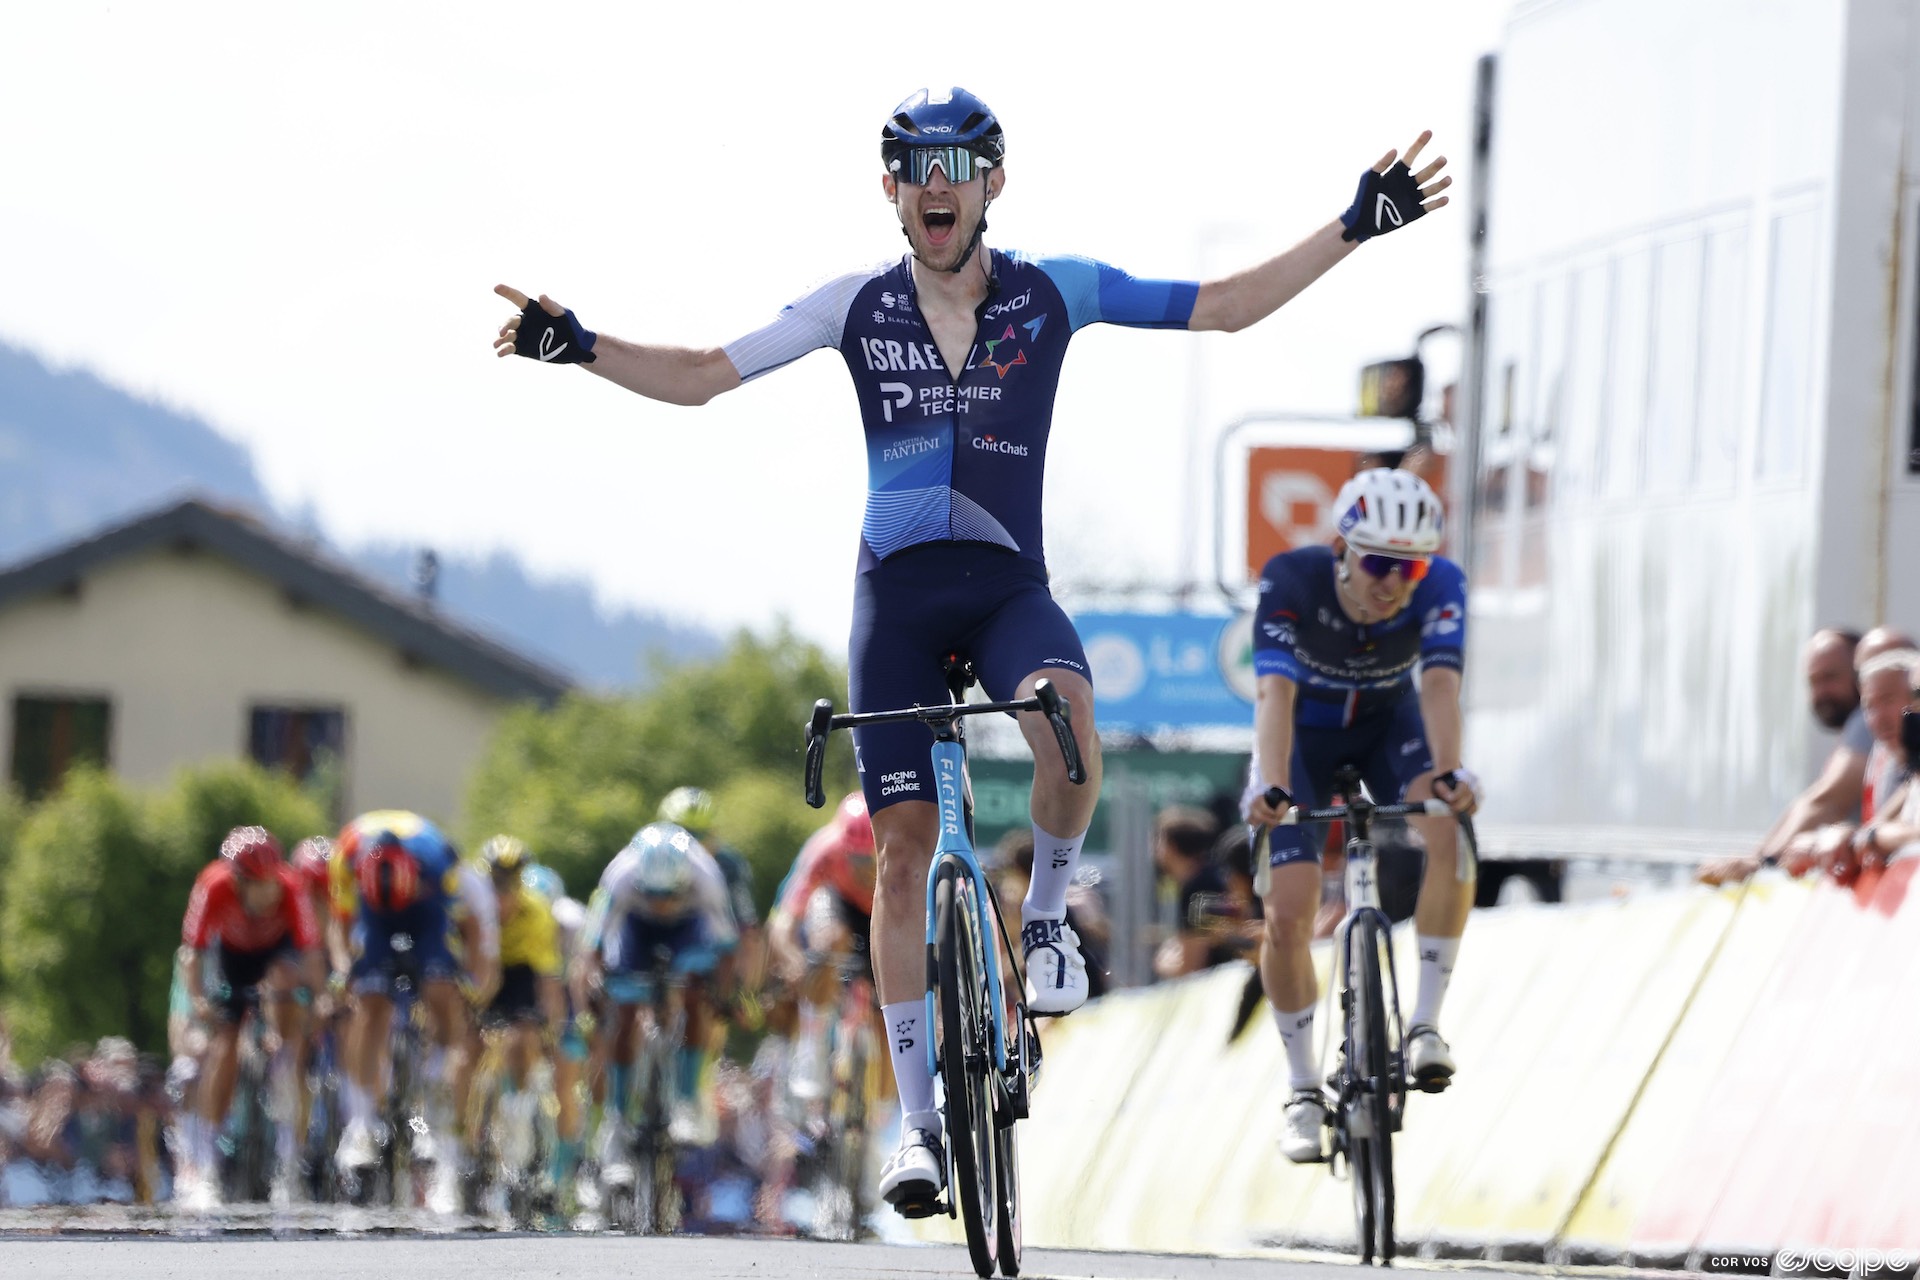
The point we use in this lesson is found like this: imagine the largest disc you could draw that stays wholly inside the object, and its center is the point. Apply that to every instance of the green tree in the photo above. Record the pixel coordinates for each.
(88, 944)
(13, 815)
(764, 815)
(100, 882)
(203, 804)
(578, 780)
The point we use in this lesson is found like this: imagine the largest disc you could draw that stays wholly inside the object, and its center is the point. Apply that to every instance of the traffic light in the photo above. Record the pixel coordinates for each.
(1393, 389)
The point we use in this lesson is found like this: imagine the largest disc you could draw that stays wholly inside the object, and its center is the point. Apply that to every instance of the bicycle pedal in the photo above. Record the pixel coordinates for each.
(1432, 1084)
(916, 1205)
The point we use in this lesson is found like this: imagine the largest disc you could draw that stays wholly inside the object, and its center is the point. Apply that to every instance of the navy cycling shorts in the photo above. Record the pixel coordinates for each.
(630, 947)
(410, 943)
(1388, 748)
(919, 605)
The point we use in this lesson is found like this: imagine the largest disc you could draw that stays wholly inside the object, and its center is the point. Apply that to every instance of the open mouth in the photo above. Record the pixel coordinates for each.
(939, 222)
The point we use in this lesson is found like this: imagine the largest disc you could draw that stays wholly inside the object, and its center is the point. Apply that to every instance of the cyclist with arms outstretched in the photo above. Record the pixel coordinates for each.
(955, 351)
(1338, 638)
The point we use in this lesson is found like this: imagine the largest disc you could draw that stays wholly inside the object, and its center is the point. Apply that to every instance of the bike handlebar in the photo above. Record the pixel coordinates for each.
(1046, 699)
(1433, 807)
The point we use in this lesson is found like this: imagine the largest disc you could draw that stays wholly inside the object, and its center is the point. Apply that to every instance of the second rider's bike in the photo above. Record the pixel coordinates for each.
(1369, 1082)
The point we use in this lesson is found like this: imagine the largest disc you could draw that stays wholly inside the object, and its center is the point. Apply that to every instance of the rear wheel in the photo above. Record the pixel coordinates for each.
(852, 1153)
(1370, 1116)
(965, 1061)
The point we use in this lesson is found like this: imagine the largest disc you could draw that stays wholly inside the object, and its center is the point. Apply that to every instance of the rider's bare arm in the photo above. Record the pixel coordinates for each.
(553, 1004)
(1233, 302)
(339, 946)
(195, 978)
(672, 375)
(1440, 712)
(675, 375)
(1236, 301)
(1833, 797)
(1273, 739)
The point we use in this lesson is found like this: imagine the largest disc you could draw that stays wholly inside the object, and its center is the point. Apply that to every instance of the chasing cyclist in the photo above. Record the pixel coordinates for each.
(249, 912)
(955, 351)
(662, 892)
(400, 884)
(824, 916)
(529, 1007)
(1338, 638)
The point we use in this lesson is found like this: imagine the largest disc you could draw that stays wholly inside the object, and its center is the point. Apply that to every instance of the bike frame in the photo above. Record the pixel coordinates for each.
(1363, 900)
(949, 770)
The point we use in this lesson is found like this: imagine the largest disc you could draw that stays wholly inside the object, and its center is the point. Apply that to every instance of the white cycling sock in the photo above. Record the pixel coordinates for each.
(200, 1138)
(1436, 970)
(1054, 861)
(359, 1105)
(1296, 1034)
(907, 1047)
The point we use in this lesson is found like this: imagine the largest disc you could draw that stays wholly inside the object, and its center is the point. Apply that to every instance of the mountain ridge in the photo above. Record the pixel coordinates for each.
(78, 454)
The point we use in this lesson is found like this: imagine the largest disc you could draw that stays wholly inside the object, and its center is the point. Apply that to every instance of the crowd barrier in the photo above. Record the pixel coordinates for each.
(1671, 1079)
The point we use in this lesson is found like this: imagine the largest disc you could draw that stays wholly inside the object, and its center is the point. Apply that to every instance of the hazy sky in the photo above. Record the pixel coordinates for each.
(289, 219)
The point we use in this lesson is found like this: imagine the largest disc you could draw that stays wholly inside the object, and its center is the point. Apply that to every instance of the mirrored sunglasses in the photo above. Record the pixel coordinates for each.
(958, 163)
(1410, 569)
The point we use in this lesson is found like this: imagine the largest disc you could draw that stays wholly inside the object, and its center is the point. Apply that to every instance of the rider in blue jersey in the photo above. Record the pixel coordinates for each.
(955, 354)
(1339, 636)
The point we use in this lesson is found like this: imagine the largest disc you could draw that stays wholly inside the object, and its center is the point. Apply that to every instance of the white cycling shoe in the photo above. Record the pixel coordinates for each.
(359, 1149)
(1306, 1122)
(915, 1175)
(1429, 1060)
(614, 1150)
(1056, 973)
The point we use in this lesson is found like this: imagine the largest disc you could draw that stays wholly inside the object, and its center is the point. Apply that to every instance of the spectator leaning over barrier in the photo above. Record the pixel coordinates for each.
(1895, 832)
(1833, 657)
(1183, 840)
(1843, 850)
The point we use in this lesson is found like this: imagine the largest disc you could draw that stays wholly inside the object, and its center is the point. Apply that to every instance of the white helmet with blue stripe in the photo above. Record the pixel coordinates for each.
(1389, 511)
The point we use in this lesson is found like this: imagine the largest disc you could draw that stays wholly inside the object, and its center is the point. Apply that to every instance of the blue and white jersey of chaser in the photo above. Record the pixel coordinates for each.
(1347, 670)
(959, 456)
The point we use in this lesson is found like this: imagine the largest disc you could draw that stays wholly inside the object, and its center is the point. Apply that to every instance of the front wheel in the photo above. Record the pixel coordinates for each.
(1006, 1169)
(966, 1060)
(1369, 1101)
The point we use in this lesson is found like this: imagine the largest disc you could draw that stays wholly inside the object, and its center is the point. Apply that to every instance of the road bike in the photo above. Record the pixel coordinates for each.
(836, 1168)
(1369, 1082)
(647, 1198)
(397, 1178)
(986, 1053)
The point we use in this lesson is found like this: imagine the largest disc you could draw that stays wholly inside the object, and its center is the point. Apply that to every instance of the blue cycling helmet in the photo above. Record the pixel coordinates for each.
(545, 881)
(943, 118)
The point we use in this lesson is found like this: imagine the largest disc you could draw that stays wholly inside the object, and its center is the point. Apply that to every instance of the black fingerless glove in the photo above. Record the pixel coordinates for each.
(1384, 202)
(553, 339)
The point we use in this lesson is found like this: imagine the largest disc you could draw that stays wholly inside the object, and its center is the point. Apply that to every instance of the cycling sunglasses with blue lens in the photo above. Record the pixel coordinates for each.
(916, 165)
(1410, 569)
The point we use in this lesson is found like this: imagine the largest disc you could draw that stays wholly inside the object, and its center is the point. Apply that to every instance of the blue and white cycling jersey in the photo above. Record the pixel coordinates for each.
(959, 457)
(1346, 670)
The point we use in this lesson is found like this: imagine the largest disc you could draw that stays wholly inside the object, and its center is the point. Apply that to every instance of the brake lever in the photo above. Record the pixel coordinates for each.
(1057, 712)
(817, 729)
